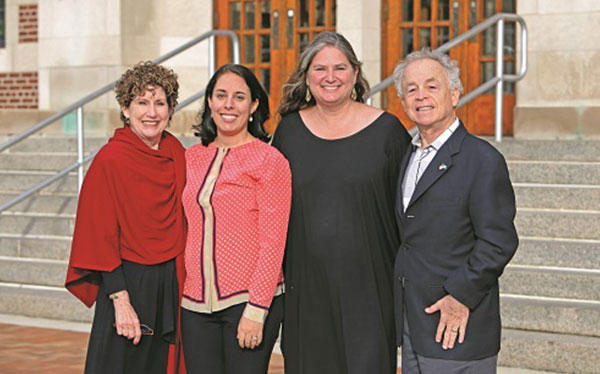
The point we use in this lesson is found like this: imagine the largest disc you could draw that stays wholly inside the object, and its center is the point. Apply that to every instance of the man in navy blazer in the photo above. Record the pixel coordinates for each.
(455, 208)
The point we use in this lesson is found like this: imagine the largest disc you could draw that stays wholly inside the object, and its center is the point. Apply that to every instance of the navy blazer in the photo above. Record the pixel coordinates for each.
(457, 235)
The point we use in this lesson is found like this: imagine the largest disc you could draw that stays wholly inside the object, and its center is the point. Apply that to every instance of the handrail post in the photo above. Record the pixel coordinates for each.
(211, 56)
(499, 73)
(80, 147)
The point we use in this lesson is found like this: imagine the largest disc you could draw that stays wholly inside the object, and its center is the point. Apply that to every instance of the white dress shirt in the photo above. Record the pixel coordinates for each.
(420, 160)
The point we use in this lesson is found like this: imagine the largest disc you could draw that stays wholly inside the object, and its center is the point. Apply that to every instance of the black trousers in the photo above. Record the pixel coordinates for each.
(210, 342)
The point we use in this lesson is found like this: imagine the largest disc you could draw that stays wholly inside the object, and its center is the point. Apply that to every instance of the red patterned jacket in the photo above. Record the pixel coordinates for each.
(237, 204)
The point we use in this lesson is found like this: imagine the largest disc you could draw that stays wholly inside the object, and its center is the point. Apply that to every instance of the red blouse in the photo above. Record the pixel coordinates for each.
(237, 203)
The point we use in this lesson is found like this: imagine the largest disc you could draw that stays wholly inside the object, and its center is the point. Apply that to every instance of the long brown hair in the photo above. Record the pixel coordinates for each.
(294, 91)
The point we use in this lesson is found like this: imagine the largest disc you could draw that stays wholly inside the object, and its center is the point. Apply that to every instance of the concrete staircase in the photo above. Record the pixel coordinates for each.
(35, 235)
(550, 291)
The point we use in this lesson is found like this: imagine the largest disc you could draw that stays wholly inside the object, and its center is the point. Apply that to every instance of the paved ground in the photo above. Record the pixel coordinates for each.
(27, 350)
(29, 345)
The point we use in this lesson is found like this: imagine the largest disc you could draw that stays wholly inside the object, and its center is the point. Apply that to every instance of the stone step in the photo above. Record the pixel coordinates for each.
(551, 223)
(189, 141)
(550, 352)
(64, 144)
(19, 181)
(557, 196)
(36, 161)
(518, 280)
(548, 150)
(44, 203)
(33, 271)
(30, 224)
(55, 144)
(553, 282)
(42, 302)
(555, 172)
(555, 315)
(35, 246)
(558, 252)
(534, 350)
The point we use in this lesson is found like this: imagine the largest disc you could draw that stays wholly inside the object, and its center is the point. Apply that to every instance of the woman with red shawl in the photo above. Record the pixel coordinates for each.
(130, 231)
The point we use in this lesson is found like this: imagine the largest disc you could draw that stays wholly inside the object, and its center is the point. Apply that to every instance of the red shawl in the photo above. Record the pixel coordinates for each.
(129, 208)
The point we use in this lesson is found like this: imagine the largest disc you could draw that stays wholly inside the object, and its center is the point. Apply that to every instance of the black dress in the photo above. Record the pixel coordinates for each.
(154, 297)
(341, 245)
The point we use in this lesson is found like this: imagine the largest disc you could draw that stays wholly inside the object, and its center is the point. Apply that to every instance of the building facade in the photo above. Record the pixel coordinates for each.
(54, 52)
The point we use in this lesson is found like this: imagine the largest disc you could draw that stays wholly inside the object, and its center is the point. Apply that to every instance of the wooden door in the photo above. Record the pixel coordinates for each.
(410, 25)
(272, 35)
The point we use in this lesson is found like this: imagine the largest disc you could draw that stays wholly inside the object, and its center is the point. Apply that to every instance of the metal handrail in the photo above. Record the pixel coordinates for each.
(78, 106)
(498, 79)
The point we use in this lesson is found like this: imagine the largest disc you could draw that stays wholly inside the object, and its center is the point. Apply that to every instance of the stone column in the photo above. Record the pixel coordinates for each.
(360, 22)
(560, 95)
(84, 45)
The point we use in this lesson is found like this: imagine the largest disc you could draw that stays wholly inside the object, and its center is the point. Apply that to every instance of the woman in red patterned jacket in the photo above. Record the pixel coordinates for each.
(237, 203)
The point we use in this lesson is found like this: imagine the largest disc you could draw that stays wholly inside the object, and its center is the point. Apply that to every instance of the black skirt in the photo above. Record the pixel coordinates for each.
(153, 293)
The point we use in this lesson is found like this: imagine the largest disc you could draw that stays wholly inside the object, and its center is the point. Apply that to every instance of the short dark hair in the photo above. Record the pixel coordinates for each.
(205, 126)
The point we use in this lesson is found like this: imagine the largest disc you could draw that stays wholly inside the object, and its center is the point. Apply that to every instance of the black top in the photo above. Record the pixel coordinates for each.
(341, 245)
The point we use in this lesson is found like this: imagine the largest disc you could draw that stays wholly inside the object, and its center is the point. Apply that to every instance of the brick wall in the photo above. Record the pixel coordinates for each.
(28, 23)
(19, 90)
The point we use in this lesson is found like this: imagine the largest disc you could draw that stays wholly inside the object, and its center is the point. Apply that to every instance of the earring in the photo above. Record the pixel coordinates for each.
(353, 94)
(308, 95)
(251, 118)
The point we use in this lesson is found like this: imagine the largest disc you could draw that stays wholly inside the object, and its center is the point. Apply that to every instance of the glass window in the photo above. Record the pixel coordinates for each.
(508, 6)
(424, 37)
(304, 40)
(489, 8)
(2, 24)
(249, 49)
(265, 48)
(333, 10)
(320, 13)
(489, 42)
(250, 9)
(303, 13)
(443, 10)
(265, 14)
(443, 35)
(425, 10)
(509, 68)
(235, 16)
(488, 71)
(265, 77)
(407, 11)
(509, 39)
(407, 41)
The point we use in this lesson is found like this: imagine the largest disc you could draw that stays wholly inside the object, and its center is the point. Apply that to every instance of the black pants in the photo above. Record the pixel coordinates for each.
(210, 342)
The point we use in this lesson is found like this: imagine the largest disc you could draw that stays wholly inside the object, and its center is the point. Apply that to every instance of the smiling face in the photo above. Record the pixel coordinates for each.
(428, 99)
(330, 77)
(231, 106)
(148, 115)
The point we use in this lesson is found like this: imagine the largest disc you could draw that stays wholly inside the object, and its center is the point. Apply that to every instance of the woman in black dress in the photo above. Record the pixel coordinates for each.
(129, 237)
(345, 158)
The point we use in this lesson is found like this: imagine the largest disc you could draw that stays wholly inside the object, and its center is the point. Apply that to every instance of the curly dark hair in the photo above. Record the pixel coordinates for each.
(134, 82)
(205, 126)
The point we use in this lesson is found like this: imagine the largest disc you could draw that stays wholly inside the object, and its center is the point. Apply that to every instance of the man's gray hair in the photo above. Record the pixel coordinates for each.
(450, 65)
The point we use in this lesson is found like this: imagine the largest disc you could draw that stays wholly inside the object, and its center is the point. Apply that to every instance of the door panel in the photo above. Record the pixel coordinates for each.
(413, 24)
(272, 35)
